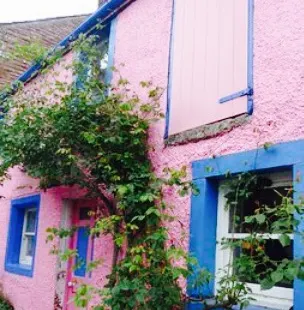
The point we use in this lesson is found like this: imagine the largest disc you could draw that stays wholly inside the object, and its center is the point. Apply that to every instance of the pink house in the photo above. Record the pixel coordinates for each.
(233, 71)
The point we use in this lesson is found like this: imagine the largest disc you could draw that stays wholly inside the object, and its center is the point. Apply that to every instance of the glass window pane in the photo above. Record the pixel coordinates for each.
(84, 213)
(29, 251)
(104, 62)
(261, 197)
(30, 221)
(265, 256)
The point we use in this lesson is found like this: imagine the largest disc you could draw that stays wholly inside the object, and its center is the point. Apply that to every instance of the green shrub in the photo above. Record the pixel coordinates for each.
(5, 304)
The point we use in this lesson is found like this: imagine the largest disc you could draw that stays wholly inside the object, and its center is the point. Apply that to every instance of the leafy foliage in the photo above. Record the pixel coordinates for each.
(94, 136)
(5, 304)
(254, 264)
(32, 52)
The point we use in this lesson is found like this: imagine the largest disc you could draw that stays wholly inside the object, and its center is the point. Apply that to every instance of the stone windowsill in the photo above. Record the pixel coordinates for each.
(207, 131)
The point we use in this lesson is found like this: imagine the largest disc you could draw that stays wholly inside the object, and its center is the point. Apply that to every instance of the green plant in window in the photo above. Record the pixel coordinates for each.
(264, 255)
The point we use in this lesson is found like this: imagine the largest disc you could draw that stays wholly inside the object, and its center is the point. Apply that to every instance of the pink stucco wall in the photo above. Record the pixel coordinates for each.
(142, 44)
(36, 292)
(278, 80)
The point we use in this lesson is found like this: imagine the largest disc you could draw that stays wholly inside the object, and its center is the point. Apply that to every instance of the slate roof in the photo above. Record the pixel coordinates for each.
(45, 31)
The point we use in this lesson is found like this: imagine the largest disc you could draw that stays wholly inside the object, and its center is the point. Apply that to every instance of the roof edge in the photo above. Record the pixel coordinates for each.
(104, 14)
(39, 20)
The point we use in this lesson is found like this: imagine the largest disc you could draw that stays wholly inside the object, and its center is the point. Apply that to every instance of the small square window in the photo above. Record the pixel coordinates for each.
(22, 236)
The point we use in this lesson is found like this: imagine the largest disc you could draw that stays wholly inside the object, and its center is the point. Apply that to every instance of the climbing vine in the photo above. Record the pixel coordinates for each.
(94, 137)
(5, 304)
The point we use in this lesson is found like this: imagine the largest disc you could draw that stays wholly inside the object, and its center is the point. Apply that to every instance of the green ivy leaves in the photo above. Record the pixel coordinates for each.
(95, 137)
(285, 240)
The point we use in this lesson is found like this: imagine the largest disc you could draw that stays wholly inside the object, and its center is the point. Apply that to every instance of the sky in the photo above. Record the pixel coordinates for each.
(23, 10)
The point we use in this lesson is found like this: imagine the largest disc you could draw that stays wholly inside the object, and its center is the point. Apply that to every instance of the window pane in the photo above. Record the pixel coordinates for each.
(101, 63)
(264, 196)
(84, 213)
(104, 62)
(271, 252)
(30, 221)
(29, 251)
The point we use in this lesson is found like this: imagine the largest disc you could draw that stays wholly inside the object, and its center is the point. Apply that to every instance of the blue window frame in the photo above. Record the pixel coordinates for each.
(206, 175)
(23, 220)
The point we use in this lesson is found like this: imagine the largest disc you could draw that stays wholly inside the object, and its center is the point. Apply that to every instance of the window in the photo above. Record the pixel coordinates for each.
(104, 61)
(207, 175)
(101, 65)
(22, 236)
(98, 63)
(84, 244)
(85, 213)
(210, 75)
(280, 296)
(28, 237)
(105, 42)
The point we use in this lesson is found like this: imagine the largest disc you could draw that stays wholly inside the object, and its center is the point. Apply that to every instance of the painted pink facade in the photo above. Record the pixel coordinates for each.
(143, 45)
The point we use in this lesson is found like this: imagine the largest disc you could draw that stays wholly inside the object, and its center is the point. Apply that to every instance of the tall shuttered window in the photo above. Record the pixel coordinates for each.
(210, 63)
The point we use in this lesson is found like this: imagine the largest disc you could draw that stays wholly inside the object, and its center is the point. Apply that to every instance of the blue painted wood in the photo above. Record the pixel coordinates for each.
(208, 171)
(194, 306)
(298, 175)
(18, 207)
(203, 230)
(277, 156)
(244, 92)
(250, 54)
(171, 53)
(82, 251)
(14, 235)
(197, 306)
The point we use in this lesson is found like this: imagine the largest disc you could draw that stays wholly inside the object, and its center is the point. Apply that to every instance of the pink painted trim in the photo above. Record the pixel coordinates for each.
(72, 245)
(69, 265)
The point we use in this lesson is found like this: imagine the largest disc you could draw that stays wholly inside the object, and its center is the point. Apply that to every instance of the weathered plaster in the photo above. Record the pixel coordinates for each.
(207, 131)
